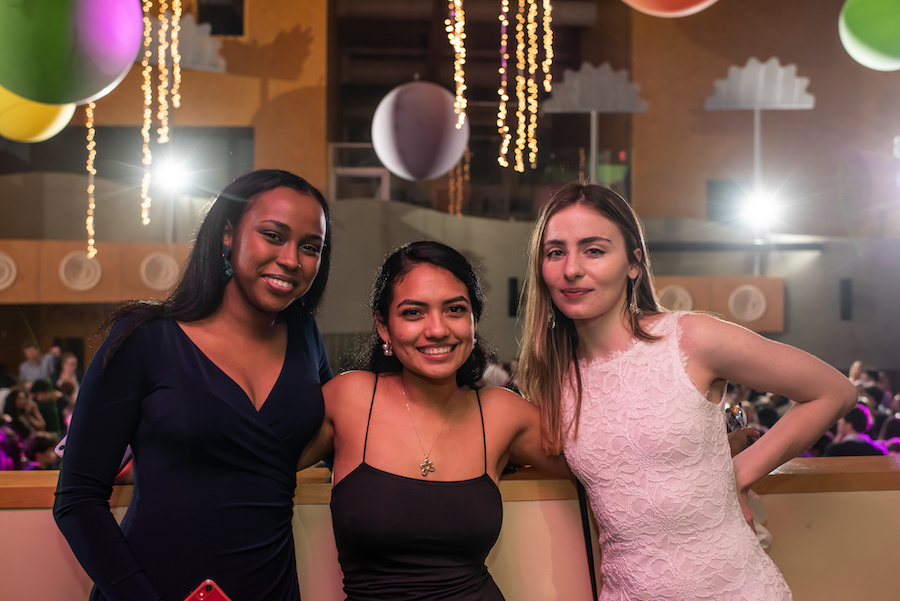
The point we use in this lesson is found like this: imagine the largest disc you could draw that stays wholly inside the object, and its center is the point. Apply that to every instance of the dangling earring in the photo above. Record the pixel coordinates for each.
(551, 316)
(387, 349)
(635, 310)
(226, 254)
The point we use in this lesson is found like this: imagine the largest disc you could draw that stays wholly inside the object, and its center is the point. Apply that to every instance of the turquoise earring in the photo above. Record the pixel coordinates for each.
(226, 254)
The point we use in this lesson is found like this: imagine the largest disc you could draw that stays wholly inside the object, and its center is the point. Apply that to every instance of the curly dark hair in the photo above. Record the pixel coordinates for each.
(399, 263)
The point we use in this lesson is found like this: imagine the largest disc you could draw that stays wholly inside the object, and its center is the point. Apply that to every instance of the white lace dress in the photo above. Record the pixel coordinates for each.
(653, 454)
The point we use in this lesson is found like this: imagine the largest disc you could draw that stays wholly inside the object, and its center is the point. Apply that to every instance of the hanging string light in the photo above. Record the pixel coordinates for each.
(459, 177)
(527, 50)
(502, 127)
(162, 90)
(520, 87)
(91, 155)
(548, 46)
(532, 87)
(147, 88)
(176, 53)
(454, 184)
(167, 47)
(455, 27)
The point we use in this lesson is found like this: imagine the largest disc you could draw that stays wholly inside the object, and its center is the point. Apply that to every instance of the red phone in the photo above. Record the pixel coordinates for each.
(208, 591)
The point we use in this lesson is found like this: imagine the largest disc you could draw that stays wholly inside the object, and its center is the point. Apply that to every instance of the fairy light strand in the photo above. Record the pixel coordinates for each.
(147, 88)
(531, 85)
(548, 46)
(162, 89)
(520, 88)
(503, 91)
(455, 27)
(454, 184)
(459, 178)
(527, 84)
(176, 53)
(91, 171)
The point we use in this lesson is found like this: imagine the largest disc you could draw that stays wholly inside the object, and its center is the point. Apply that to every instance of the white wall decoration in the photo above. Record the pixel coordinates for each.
(760, 87)
(78, 272)
(676, 298)
(198, 50)
(160, 271)
(595, 90)
(747, 303)
(8, 271)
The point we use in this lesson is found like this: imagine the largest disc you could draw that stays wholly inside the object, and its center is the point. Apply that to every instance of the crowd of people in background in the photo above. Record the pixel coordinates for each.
(871, 428)
(36, 405)
(36, 412)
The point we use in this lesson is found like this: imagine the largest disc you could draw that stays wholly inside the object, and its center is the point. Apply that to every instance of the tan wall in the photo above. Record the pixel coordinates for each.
(275, 81)
(836, 545)
(833, 524)
(832, 164)
(540, 555)
(38, 307)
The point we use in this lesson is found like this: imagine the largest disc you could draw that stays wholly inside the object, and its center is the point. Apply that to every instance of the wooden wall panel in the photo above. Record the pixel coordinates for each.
(38, 279)
(133, 255)
(53, 290)
(712, 294)
(24, 288)
(700, 289)
(773, 289)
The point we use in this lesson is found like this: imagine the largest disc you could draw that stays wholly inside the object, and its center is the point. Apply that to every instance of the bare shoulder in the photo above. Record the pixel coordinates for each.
(351, 378)
(700, 323)
(500, 399)
(498, 394)
(701, 332)
(348, 388)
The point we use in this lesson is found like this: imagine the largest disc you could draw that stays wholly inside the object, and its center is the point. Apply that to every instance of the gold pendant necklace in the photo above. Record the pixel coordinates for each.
(427, 465)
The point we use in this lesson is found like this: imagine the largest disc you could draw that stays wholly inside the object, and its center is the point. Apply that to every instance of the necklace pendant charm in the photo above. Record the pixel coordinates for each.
(427, 466)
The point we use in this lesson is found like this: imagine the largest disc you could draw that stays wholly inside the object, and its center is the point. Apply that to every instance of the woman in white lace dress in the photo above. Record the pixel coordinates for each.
(633, 397)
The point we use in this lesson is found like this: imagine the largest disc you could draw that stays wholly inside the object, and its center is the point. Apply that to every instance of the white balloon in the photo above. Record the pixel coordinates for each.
(414, 131)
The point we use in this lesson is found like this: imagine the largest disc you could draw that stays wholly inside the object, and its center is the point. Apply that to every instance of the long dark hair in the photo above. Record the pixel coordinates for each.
(199, 292)
(10, 404)
(397, 265)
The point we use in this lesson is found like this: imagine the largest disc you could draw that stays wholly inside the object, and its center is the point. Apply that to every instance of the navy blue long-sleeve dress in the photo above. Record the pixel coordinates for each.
(214, 477)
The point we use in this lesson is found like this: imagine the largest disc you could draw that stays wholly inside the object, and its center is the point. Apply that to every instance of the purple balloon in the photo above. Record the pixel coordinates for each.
(68, 51)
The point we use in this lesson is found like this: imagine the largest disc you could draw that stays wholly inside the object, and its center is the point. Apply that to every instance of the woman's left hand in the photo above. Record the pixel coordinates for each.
(739, 440)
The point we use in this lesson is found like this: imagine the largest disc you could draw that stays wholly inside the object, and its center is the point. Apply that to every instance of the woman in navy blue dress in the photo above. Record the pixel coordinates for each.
(217, 391)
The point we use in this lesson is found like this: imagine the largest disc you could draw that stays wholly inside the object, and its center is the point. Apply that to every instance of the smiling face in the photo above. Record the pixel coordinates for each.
(429, 322)
(276, 249)
(586, 265)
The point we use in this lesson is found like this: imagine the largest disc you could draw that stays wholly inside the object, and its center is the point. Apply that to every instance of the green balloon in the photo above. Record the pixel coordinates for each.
(67, 51)
(870, 33)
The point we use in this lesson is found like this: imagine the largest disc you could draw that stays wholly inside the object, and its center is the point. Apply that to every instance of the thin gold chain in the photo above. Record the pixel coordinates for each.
(427, 465)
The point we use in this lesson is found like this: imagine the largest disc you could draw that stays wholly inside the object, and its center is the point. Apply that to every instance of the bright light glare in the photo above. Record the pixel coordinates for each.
(760, 210)
(172, 175)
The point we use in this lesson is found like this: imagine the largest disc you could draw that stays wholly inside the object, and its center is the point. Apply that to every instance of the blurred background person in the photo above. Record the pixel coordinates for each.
(851, 439)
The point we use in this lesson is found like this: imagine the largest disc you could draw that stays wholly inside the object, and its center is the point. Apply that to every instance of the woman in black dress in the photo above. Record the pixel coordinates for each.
(418, 450)
(217, 392)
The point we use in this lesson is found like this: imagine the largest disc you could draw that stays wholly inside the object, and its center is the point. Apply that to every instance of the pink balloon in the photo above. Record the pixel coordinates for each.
(669, 8)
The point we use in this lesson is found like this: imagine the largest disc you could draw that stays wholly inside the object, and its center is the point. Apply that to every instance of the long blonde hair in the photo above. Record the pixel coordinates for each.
(549, 339)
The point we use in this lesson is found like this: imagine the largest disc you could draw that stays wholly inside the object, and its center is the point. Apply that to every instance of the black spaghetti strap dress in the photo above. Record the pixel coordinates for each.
(405, 539)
